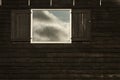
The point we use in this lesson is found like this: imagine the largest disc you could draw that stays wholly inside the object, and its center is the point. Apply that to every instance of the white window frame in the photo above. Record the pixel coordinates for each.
(54, 42)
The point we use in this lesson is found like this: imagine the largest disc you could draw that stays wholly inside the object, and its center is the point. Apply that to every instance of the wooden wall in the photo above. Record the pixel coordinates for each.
(98, 59)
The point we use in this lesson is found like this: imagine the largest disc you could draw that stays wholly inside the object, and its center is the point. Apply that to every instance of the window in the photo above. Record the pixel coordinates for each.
(51, 26)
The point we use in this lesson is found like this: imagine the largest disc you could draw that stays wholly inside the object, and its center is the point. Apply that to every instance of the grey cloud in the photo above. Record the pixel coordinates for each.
(47, 28)
(52, 33)
(41, 15)
(62, 15)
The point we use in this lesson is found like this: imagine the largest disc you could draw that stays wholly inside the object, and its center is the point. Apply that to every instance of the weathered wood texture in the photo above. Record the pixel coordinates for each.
(98, 59)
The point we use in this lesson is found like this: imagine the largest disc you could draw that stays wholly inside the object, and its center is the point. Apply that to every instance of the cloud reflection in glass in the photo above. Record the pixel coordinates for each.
(51, 26)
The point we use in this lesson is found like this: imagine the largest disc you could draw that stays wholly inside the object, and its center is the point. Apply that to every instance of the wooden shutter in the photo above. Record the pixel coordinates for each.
(81, 25)
(20, 25)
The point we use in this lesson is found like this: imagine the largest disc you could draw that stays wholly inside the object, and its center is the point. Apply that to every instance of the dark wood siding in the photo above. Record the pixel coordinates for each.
(15, 4)
(110, 3)
(95, 60)
(40, 3)
(62, 3)
(86, 3)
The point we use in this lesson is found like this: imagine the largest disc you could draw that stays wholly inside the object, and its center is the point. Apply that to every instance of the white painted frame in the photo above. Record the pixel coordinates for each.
(38, 42)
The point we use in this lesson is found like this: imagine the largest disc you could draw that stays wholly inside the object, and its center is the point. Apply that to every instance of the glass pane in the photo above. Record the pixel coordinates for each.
(51, 26)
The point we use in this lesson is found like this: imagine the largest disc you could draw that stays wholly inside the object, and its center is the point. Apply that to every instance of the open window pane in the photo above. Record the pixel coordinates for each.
(51, 26)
